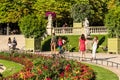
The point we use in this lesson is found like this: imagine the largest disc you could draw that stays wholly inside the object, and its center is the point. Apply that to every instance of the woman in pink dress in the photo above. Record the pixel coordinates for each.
(82, 46)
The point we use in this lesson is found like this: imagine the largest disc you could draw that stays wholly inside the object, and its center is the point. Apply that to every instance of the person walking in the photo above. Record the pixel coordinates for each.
(82, 45)
(60, 44)
(94, 47)
(53, 43)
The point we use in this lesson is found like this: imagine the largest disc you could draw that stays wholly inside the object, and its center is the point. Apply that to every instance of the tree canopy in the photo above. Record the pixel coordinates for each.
(13, 10)
(112, 19)
(32, 26)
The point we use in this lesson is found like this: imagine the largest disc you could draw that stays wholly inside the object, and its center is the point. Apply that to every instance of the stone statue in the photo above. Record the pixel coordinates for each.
(50, 29)
(49, 24)
(86, 27)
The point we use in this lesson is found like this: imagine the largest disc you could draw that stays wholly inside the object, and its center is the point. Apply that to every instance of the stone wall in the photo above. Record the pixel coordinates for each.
(4, 40)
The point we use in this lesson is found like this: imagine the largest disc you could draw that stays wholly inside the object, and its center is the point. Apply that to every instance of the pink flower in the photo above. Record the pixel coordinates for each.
(52, 13)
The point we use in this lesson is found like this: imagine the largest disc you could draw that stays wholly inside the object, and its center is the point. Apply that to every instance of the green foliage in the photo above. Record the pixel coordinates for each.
(98, 10)
(32, 26)
(13, 10)
(112, 22)
(80, 11)
(46, 44)
(72, 43)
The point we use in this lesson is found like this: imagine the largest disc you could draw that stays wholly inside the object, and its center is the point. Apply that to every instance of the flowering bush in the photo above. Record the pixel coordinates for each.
(50, 68)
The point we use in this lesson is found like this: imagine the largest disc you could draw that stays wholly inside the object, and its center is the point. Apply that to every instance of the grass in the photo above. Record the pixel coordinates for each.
(73, 40)
(103, 74)
(11, 67)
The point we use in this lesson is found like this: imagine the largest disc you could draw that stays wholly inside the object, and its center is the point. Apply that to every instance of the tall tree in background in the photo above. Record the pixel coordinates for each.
(12, 10)
(60, 7)
(99, 8)
(80, 11)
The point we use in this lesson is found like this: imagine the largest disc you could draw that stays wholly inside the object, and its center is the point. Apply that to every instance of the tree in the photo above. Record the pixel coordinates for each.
(12, 10)
(80, 11)
(98, 9)
(60, 7)
(32, 26)
(112, 21)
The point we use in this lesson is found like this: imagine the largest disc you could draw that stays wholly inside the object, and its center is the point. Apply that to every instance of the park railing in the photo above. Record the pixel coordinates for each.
(79, 30)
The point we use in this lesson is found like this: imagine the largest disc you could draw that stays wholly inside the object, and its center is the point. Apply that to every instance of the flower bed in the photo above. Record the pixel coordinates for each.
(38, 67)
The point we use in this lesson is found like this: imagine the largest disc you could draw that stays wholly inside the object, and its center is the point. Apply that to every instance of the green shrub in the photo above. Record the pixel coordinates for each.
(32, 26)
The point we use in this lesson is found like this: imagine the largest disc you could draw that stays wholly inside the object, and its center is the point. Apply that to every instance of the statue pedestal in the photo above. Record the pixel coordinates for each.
(89, 44)
(49, 31)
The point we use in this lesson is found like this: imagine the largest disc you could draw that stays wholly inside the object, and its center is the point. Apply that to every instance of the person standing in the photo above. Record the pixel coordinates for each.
(14, 43)
(53, 43)
(9, 43)
(82, 45)
(94, 47)
(64, 27)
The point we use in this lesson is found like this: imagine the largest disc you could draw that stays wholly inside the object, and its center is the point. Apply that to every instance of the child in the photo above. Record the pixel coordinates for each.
(94, 48)
(82, 46)
(60, 44)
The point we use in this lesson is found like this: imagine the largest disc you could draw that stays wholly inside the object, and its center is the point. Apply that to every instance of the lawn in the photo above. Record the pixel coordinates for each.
(73, 41)
(11, 67)
(103, 74)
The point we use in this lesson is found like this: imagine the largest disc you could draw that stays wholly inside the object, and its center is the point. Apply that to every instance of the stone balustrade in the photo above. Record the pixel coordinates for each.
(79, 31)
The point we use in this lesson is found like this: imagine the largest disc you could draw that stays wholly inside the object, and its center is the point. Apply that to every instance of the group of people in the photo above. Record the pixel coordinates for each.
(57, 42)
(82, 46)
(12, 43)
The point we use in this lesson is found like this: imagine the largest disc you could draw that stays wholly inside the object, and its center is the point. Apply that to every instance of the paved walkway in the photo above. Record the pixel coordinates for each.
(109, 61)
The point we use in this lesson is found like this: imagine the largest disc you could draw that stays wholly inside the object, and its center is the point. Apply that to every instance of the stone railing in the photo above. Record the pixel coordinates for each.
(98, 30)
(79, 31)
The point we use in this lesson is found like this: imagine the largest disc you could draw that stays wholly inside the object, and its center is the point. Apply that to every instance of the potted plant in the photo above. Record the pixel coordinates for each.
(33, 28)
(112, 22)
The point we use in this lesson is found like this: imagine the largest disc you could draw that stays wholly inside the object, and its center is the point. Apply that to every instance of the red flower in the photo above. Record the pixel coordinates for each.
(39, 72)
(62, 74)
(67, 67)
(45, 67)
(48, 79)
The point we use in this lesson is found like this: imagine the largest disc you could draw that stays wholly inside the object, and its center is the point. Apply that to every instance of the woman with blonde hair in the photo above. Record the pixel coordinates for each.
(94, 47)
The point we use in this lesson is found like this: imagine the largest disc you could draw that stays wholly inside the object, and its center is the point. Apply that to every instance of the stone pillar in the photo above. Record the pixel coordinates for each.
(7, 28)
(49, 25)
